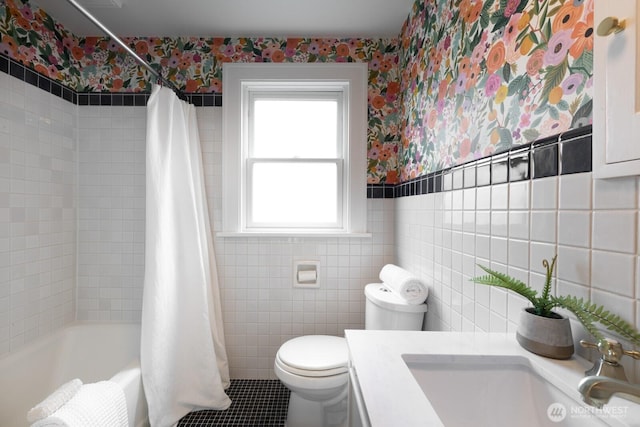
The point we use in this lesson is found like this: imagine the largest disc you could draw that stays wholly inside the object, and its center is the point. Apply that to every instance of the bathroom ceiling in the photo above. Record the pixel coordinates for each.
(235, 18)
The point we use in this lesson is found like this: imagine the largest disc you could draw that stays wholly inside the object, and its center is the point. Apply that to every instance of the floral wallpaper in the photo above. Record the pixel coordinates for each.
(29, 35)
(97, 64)
(465, 79)
(196, 65)
(481, 76)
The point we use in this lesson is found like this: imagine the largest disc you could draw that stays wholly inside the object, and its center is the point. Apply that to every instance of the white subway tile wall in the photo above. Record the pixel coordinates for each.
(37, 213)
(111, 212)
(597, 247)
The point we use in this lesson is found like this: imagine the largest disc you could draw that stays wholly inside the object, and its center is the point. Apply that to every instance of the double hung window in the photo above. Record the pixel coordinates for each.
(294, 148)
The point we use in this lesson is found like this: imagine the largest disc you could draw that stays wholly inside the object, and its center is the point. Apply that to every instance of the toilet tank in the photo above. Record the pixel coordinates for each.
(387, 311)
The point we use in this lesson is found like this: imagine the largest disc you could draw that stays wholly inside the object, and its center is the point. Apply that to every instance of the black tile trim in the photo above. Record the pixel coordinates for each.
(4, 64)
(140, 99)
(137, 99)
(83, 99)
(56, 89)
(44, 83)
(575, 155)
(16, 70)
(30, 77)
(117, 99)
(380, 191)
(544, 160)
(562, 154)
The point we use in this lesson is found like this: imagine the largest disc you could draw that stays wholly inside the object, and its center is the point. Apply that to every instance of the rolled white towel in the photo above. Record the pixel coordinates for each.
(54, 401)
(404, 284)
(100, 404)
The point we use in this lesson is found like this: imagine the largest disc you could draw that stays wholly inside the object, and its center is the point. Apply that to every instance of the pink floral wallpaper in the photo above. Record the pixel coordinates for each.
(480, 76)
(97, 64)
(466, 78)
(196, 65)
(29, 35)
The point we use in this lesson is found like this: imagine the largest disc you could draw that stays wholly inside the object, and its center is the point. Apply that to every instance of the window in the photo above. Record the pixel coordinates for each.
(294, 156)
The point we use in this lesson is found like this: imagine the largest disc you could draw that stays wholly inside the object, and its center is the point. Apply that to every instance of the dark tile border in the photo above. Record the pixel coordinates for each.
(138, 99)
(566, 153)
(380, 191)
(4, 64)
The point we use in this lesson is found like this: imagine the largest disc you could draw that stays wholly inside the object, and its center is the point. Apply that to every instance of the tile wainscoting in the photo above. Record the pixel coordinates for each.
(591, 224)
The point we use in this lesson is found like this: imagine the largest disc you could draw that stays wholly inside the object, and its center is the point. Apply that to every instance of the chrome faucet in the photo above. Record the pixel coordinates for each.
(607, 376)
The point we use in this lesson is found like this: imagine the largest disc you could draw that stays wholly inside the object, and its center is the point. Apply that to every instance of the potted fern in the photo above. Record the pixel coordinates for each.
(543, 331)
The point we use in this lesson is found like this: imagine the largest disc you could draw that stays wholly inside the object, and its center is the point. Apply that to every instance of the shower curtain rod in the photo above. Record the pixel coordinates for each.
(126, 47)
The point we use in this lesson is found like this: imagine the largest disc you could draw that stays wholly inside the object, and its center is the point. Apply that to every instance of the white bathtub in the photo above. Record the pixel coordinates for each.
(89, 351)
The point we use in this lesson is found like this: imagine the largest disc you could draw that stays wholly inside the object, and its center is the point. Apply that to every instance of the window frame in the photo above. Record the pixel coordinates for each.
(240, 79)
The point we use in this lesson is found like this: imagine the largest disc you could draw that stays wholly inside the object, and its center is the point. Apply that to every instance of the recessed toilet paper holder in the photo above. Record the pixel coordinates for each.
(305, 273)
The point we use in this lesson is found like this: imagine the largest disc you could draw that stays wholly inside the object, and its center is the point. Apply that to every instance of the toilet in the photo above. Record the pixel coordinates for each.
(315, 367)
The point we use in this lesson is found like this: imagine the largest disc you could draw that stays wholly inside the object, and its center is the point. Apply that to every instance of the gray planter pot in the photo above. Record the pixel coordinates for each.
(549, 337)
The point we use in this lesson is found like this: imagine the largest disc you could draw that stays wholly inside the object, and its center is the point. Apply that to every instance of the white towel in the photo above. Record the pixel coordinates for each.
(55, 400)
(100, 404)
(404, 284)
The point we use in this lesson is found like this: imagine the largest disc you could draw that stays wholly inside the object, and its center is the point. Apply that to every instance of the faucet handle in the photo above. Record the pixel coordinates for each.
(608, 364)
(610, 350)
(632, 353)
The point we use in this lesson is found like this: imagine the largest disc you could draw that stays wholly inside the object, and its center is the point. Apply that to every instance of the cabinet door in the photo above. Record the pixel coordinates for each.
(616, 116)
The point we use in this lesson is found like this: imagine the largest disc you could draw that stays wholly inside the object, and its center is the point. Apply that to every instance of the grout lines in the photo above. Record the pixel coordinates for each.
(261, 403)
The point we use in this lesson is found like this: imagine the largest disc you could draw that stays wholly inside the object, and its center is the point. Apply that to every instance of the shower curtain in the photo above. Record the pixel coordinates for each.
(182, 354)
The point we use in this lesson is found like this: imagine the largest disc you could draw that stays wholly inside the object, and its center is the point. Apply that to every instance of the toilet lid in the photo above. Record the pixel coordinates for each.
(315, 353)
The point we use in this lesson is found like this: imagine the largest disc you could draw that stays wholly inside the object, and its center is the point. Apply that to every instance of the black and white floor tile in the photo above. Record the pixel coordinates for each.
(261, 403)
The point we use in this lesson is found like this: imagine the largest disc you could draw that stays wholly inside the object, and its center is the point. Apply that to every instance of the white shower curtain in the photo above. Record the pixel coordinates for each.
(183, 357)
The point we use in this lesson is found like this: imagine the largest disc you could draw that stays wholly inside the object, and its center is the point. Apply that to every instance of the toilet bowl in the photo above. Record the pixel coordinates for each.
(315, 367)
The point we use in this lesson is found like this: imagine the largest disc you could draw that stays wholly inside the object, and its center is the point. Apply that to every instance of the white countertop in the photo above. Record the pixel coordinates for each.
(393, 397)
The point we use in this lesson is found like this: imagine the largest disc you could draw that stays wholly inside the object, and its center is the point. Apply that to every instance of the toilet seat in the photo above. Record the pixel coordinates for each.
(314, 356)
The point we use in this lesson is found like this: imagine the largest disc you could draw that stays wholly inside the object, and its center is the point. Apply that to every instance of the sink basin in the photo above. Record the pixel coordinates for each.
(494, 390)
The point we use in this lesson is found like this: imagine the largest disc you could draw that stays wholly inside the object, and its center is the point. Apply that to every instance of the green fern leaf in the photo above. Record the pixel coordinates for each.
(549, 274)
(579, 309)
(589, 313)
(495, 278)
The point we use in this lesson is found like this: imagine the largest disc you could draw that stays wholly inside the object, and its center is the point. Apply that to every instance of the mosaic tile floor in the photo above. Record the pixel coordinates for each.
(261, 403)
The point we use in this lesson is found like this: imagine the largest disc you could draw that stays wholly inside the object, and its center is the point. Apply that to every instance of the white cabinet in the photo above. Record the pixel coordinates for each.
(616, 115)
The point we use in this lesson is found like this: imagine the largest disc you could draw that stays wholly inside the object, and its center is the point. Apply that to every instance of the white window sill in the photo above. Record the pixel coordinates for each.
(280, 234)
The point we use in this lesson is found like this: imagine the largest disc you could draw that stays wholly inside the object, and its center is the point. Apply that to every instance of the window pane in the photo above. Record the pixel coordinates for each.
(295, 128)
(310, 195)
